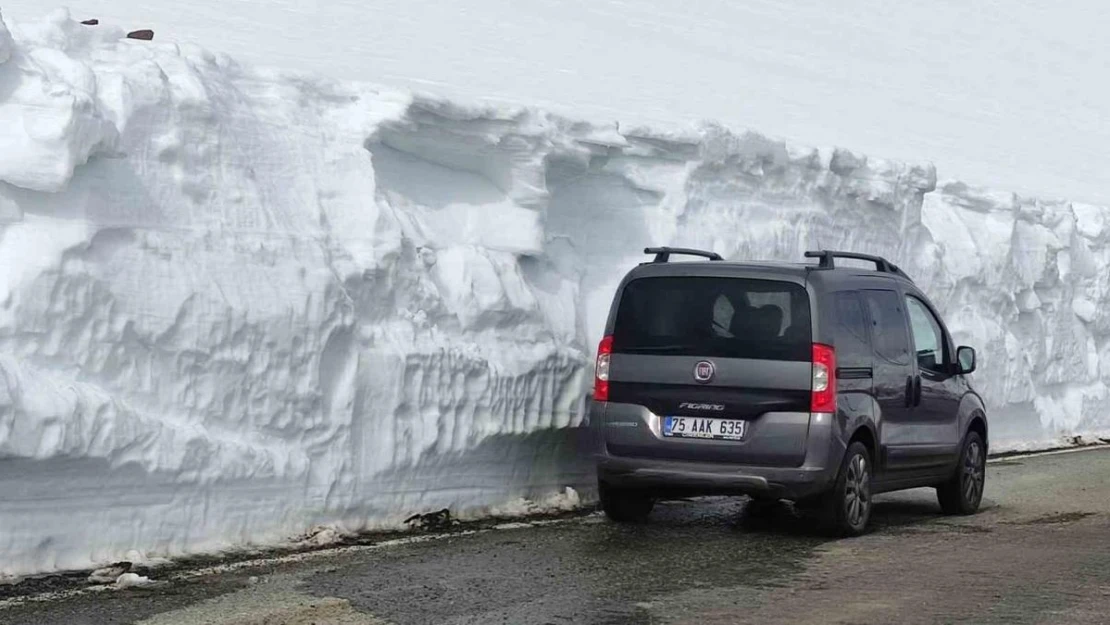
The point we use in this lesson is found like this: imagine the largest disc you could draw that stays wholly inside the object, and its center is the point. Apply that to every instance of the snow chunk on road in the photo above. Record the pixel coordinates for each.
(130, 580)
(566, 501)
(109, 574)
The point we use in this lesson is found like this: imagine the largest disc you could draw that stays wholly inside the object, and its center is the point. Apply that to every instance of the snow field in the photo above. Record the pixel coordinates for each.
(239, 303)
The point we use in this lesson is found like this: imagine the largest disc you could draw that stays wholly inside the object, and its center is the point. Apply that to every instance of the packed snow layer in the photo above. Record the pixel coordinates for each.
(983, 89)
(237, 304)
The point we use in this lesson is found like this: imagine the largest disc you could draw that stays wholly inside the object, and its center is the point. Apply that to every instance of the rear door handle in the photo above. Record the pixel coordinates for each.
(917, 390)
(909, 391)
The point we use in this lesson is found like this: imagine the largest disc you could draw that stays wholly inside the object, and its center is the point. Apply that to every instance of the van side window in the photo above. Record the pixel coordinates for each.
(853, 342)
(888, 326)
(928, 339)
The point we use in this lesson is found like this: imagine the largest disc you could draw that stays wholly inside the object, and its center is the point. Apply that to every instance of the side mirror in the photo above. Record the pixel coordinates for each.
(965, 359)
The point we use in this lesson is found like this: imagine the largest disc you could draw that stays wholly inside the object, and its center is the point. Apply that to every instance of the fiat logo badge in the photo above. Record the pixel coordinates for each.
(703, 371)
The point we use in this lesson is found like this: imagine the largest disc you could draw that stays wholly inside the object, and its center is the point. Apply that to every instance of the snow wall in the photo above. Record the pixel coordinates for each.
(237, 304)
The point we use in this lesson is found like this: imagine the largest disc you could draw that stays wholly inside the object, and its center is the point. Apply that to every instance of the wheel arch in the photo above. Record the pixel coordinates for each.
(973, 417)
(978, 424)
(865, 433)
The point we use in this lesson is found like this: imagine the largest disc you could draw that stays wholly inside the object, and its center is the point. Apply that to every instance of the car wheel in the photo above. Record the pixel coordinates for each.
(963, 493)
(847, 507)
(624, 506)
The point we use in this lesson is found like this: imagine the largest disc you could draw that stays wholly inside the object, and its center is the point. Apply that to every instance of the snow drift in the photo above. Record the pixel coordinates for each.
(239, 303)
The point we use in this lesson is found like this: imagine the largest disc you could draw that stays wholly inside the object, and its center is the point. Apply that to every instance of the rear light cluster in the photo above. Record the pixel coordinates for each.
(823, 395)
(601, 369)
(823, 389)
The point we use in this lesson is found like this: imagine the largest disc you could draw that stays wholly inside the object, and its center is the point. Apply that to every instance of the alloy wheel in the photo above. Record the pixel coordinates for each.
(857, 491)
(973, 473)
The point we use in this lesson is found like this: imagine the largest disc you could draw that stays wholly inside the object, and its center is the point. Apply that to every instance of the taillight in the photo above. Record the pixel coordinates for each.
(823, 397)
(601, 369)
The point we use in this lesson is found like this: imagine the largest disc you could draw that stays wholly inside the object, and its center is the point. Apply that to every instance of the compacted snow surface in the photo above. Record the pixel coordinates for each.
(238, 304)
(1004, 93)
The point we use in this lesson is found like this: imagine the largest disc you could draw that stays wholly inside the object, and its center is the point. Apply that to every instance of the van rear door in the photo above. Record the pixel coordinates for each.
(718, 369)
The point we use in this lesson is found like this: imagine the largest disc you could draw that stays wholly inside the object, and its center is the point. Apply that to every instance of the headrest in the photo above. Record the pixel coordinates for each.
(769, 318)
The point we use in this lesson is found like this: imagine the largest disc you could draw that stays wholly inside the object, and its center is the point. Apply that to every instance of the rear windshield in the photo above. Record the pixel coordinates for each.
(714, 317)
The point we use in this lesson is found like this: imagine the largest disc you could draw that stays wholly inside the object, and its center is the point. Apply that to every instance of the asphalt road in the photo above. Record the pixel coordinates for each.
(1037, 553)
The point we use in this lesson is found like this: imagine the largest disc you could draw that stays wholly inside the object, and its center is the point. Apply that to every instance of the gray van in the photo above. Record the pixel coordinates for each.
(814, 382)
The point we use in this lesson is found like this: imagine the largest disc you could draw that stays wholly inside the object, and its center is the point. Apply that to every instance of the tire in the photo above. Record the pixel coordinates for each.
(846, 509)
(624, 506)
(962, 494)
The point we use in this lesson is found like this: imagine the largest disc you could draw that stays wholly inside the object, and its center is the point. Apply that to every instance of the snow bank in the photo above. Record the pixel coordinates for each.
(236, 304)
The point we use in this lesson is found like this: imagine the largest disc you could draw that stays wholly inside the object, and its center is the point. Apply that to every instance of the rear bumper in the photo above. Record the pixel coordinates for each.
(670, 477)
(630, 453)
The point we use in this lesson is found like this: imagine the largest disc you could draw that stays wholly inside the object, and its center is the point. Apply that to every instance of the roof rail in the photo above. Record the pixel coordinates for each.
(881, 264)
(663, 254)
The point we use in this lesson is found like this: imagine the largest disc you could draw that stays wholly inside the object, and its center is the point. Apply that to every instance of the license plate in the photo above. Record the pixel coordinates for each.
(701, 427)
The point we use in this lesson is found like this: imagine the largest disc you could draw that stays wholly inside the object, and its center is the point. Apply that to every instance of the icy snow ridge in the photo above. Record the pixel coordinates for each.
(236, 304)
